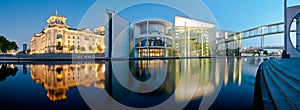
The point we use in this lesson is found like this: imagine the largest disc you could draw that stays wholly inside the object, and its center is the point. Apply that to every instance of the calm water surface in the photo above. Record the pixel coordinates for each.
(153, 84)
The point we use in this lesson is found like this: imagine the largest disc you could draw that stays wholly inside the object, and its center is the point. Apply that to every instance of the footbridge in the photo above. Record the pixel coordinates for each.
(261, 48)
(234, 41)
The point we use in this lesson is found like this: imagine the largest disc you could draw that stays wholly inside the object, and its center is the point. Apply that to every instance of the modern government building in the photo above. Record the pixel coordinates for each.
(152, 38)
(159, 38)
(185, 37)
(58, 37)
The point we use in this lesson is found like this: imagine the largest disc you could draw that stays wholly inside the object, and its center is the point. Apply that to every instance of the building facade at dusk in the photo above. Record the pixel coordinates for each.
(152, 38)
(58, 37)
(185, 38)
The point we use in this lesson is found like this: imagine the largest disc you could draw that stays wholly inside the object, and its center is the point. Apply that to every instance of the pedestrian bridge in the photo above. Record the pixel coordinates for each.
(261, 48)
(234, 41)
(277, 28)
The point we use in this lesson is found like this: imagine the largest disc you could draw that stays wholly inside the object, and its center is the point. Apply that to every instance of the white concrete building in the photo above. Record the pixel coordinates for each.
(152, 38)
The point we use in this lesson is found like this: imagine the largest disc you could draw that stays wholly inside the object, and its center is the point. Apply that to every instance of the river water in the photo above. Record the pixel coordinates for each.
(213, 83)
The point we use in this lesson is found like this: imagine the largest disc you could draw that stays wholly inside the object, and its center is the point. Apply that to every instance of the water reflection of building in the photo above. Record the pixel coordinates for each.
(144, 69)
(195, 79)
(233, 71)
(57, 79)
(192, 78)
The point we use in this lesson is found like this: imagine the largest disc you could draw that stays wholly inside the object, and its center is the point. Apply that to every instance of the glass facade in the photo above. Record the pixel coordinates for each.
(191, 41)
(152, 52)
(185, 38)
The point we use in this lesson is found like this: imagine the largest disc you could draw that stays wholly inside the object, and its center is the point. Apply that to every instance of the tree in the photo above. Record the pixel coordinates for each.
(265, 52)
(6, 45)
(13, 46)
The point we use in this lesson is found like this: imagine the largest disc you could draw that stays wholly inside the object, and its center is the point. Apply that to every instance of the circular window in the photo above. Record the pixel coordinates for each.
(294, 35)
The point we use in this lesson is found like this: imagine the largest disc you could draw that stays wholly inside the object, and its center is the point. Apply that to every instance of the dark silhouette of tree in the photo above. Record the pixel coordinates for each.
(5, 72)
(265, 52)
(6, 45)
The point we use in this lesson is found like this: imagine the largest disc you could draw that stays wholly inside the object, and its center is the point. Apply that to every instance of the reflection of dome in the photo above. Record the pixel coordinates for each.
(57, 94)
(59, 76)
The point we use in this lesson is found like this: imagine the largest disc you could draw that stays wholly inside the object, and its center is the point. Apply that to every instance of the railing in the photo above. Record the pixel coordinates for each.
(271, 29)
(259, 48)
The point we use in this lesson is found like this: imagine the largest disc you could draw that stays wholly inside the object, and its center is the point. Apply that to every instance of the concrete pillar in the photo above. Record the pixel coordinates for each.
(147, 43)
(202, 42)
(298, 34)
(262, 38)
(189, 42)
(185, 41)
(165, 47)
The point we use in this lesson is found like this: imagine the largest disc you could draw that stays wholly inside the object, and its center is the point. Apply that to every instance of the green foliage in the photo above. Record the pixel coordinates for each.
(265, 52)
(6, 45)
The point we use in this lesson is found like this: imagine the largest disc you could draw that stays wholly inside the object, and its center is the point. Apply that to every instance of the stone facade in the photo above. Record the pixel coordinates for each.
(58, 37)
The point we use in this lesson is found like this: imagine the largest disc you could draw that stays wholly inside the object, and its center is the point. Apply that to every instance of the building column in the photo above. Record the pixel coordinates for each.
(165, 47)
(298, 34)
(202, 42)
(147, 43)
(262, 38)
(189, 42)
(185, 41)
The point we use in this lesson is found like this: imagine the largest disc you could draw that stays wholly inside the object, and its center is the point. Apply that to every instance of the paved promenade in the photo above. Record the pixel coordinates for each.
(279, 83)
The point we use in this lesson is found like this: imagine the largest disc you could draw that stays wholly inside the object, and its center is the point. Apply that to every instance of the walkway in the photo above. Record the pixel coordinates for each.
(280, 83)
